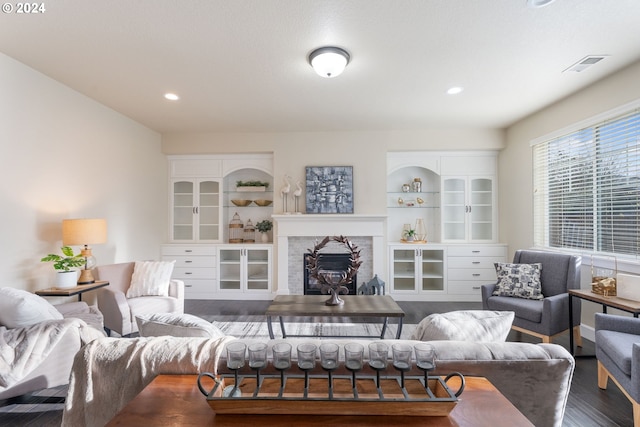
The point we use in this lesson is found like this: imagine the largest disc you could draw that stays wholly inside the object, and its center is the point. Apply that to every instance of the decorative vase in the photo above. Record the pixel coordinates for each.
(66, 279)
(264, 237)
(421, 230)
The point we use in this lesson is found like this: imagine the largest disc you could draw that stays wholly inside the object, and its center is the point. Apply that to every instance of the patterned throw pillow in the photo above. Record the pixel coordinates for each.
(519, 280)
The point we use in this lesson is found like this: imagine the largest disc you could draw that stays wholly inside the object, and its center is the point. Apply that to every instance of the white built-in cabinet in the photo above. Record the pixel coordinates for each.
(196, 266)
(202, 189)
(245, 271)
(196, 212)
(417, 269)
(458, 204)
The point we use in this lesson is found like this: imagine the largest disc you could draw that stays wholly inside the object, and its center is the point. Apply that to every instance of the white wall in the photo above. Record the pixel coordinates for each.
(63, 155)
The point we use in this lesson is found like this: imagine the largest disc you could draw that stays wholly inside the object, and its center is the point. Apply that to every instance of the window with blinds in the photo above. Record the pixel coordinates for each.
(587, 188)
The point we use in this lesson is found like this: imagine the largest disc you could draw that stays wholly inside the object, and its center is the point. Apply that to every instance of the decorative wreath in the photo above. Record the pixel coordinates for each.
(324, 279)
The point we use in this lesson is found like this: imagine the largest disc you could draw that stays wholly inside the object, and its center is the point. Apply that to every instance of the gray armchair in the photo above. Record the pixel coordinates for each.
(618, 354)
(549, 316)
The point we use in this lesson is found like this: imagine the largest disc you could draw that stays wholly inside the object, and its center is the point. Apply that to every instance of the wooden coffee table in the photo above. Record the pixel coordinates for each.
(379, 306)
(174, 400)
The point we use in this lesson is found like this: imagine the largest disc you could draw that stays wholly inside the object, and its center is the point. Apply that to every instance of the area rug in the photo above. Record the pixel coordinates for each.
(259, 330)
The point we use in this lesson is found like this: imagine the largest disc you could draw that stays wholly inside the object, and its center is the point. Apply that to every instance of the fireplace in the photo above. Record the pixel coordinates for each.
(294, 235)
(333, 264)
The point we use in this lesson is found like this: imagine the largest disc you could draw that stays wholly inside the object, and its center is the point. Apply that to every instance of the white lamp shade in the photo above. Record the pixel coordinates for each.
(84, 231)
(329, 61)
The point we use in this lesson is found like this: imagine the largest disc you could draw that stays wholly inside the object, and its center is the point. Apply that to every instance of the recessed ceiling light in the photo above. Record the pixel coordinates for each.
(171, 96)
(454, 90)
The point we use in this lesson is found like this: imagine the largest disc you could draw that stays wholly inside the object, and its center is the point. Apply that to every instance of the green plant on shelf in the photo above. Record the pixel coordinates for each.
(409, 235)
(252, 184)
(264, 226)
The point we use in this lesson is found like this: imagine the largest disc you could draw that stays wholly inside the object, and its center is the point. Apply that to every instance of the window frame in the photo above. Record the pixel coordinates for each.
(587, 136)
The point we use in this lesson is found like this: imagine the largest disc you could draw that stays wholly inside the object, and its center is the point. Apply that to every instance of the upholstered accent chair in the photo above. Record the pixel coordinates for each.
(120, 311)
(618, 354)
(548, 316)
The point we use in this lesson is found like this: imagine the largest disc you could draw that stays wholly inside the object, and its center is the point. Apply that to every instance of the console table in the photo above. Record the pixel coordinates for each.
(176, 400)
(629, 306)
(381, 306)
(76, 290)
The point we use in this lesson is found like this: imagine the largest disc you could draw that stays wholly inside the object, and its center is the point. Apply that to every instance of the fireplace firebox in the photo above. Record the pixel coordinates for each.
(334, 264)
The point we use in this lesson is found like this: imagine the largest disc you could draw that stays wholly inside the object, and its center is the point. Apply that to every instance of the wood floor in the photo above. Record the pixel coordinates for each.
(587, 404)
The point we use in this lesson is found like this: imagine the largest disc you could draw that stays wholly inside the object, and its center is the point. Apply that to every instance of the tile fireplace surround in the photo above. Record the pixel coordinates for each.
(295, 234)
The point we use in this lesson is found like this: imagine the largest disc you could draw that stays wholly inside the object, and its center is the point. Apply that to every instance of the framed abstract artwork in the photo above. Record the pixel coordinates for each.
(329, 189)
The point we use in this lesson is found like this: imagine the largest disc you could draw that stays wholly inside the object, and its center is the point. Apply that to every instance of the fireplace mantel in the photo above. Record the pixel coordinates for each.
(320, 225)
(330, 224)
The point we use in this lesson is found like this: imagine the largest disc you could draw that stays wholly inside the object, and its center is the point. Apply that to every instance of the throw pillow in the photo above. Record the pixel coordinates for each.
(150, 278)
(20, 308)
(465, 325)
(176, 325)
(519, 280)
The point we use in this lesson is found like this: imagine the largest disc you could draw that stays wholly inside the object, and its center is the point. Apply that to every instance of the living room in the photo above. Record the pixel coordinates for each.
(66, 155)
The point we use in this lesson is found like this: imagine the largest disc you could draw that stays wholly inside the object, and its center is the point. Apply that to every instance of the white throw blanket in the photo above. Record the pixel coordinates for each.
(109, 372)
(23, 349)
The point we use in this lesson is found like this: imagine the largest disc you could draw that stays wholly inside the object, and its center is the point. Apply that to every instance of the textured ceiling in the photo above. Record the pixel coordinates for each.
(240, 65)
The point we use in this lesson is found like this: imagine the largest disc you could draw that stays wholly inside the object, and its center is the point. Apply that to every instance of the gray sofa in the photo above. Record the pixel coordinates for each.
(536, 378)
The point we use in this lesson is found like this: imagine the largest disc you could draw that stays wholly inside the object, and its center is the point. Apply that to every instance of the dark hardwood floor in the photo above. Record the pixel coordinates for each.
(587, 404)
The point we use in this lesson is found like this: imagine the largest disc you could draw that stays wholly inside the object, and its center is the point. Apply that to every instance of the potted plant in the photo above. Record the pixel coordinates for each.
(251, 185)
(409, 235)
(263, 227)
(66, 277)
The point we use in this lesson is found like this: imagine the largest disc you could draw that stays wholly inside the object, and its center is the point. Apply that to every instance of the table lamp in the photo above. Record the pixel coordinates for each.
(84, 232)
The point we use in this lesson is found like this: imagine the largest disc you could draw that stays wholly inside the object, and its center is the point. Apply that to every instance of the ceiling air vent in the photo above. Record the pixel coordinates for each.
(585, 63)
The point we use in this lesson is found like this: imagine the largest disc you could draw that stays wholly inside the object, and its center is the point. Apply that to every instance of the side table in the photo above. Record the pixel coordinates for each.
(76, 290)
(629, 306)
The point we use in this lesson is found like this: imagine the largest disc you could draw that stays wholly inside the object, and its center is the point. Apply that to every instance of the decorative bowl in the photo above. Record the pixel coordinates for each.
(263, 202)
(241, 202)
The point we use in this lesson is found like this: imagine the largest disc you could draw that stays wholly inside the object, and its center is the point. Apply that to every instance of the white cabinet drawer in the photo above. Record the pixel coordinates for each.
(473, 262)
(192, 261)
(177, 250)
(495, 251)
(194, 273)
(480, 274)
(199, 286)
(464, 287)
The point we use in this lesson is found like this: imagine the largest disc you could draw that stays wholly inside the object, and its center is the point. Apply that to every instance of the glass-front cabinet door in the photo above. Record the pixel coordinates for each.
(417, 269)
(454, 209)
(481, 209)
(196, 210)
(230, 266)
(468, 209)
(245, 269)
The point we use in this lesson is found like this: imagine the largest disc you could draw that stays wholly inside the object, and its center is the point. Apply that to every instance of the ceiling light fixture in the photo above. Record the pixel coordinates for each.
(538, 3)
(171, 96)
(329, 61)
(454, 90)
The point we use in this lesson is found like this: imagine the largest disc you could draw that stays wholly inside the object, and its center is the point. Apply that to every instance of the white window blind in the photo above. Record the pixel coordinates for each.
(587, 188)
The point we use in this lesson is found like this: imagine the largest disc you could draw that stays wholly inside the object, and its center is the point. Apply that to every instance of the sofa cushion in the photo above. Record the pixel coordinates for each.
(150, 278)
(20, 308)
(618, 346)
(518, 280)
(466, 325)
(176, 325)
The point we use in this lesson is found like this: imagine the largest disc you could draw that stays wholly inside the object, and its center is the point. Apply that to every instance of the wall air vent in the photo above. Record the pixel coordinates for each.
(585, 63)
